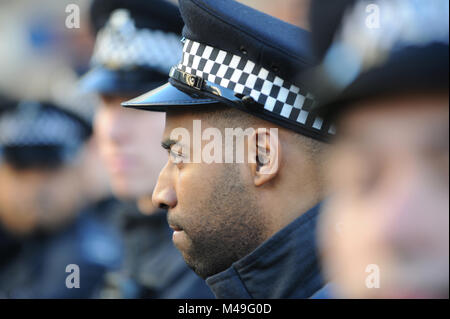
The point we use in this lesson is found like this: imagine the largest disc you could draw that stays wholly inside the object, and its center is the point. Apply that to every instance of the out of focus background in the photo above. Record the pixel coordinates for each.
(40, 58)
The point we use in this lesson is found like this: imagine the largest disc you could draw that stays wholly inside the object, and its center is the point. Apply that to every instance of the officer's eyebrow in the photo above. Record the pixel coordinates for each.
(167, 143)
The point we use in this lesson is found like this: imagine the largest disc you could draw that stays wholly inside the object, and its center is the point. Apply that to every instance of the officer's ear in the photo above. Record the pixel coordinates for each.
(264, 155)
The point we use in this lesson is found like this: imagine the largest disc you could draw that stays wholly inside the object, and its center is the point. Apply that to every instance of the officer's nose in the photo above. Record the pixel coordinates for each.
(164, 194)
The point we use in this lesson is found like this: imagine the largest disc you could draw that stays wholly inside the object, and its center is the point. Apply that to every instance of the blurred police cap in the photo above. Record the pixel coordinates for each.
(137, 42)
(39, 134)
(376, 48)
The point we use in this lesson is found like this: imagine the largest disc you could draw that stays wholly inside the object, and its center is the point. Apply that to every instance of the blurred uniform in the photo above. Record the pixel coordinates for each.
(136, 44)
(45, 223)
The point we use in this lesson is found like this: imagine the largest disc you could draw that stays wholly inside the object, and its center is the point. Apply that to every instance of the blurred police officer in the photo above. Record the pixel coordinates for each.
(136, 44)
(384, 79)
(47, 221)
(247, 227)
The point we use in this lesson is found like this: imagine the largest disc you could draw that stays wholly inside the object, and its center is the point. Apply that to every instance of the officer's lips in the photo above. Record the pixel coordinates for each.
(175, 227)
(178, 236)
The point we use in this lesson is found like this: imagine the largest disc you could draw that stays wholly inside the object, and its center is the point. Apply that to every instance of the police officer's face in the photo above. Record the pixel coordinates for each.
(211, 207)
(388, 218)
(38, 199)
(129, 142)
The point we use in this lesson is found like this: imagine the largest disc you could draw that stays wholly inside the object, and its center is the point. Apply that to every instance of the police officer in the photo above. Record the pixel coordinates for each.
(384, 79)
(243, 218)
(136, 44)
(47, 221)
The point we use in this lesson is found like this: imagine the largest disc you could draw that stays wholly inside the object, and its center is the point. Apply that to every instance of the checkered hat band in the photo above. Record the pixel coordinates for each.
(247, 78)
(126, 47)
(30, 126)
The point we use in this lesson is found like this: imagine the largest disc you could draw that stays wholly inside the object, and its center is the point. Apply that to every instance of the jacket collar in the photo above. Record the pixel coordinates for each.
(284, 266)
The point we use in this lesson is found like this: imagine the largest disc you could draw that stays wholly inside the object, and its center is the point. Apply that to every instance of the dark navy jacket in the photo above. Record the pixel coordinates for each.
(284, 266)
(35, 267)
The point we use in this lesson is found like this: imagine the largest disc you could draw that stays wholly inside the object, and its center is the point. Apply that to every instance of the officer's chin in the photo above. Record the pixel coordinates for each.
(180, 238)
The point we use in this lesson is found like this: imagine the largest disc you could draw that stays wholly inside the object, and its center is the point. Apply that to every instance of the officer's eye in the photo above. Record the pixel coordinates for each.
(176, 157)
(176, 154)
(174, 150)
(368, 175)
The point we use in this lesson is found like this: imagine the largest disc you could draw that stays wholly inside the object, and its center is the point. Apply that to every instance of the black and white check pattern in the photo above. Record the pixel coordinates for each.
(246, 77)
(31, 125)
(120, 45)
